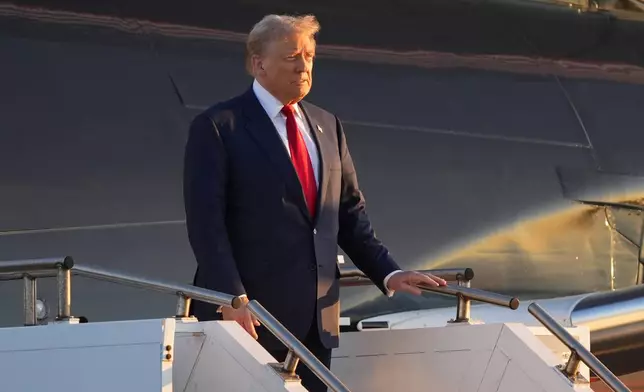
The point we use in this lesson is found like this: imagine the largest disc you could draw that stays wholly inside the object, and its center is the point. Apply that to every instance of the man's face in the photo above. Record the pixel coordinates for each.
(285, 69)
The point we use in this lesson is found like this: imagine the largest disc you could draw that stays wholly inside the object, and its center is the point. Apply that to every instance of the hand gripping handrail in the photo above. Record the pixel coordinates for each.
(62, 268)
(351, 276)
(578, 351)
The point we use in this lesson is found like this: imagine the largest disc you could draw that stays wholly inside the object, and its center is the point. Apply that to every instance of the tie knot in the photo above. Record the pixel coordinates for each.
(288, 110)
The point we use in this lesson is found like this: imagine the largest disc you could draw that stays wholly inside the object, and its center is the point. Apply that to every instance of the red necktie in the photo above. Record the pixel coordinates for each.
(300, 158)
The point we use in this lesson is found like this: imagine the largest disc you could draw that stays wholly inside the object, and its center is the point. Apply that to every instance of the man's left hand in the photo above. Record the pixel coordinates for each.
(408, 281)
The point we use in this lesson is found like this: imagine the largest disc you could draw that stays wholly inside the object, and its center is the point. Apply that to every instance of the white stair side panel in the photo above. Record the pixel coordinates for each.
(456, 358)
(188, 346)
(515, 380)
(229, 360)
(445, 359)
(97, 357)
(494, 372)
(536, 360)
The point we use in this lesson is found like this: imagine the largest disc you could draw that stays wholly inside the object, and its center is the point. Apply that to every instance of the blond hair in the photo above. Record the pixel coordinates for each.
(275, 27)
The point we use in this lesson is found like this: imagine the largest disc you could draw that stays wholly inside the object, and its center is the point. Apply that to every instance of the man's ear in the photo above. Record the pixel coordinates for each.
(258, 65)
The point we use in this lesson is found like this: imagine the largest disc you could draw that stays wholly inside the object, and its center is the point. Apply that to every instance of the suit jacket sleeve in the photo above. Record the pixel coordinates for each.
(356, 236)
(205, 178)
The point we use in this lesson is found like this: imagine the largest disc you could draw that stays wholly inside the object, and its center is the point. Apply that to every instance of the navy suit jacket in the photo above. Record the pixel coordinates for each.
(249, 227)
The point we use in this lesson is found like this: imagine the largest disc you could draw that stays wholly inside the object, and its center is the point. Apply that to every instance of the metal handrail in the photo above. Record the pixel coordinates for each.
(29, 270)
(475, 294)
(182, 290)
(48, 265)
(39, 274)
(465, 296)
(295, 347)
(578, 351)
(352, 276)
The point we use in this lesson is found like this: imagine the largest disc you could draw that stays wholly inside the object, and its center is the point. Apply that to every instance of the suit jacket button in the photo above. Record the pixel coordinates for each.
(313, 267)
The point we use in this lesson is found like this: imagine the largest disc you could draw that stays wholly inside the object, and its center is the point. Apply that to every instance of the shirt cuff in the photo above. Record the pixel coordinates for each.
(390, 292)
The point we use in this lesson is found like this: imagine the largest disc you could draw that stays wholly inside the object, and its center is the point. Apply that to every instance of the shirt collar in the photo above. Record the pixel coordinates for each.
(271, 105)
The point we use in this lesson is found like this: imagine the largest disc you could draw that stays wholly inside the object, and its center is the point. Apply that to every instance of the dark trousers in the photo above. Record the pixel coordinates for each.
(312, 341)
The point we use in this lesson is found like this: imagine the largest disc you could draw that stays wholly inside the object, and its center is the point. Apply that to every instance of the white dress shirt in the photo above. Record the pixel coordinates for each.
(273, 108)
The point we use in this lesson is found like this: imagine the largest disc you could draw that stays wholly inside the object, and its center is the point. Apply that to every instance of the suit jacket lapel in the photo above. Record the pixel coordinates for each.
(324, 149)
(261, 128)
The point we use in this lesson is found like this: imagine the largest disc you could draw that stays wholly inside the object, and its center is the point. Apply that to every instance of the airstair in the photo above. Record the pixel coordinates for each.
(182, 354)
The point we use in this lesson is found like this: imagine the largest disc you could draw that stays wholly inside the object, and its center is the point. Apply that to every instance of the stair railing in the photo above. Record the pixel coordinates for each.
(578, 353)
(351, 276)
(63, 267)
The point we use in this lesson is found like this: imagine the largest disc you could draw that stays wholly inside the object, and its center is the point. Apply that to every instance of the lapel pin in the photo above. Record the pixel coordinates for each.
(320, 129)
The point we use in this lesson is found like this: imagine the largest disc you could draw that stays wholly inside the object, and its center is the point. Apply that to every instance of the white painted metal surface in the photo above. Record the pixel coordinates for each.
(184, 355)
(140, 355)
(96, 357)
(560, 308)
(221, 356)
(458, 358)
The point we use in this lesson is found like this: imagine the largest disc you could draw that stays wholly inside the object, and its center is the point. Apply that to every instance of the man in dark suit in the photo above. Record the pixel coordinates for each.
(271, 191)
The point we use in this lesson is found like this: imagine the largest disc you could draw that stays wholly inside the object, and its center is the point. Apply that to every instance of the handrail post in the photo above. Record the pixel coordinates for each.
(296, 349)
(290, 363)
(29, 300)
(462, 309)
(578, 353)
(183, 306)
(572, 366)
(463, 306)
(64, 279)
(640, 258)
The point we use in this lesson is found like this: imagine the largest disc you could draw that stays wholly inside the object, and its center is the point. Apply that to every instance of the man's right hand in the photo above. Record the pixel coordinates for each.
(243, 317)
